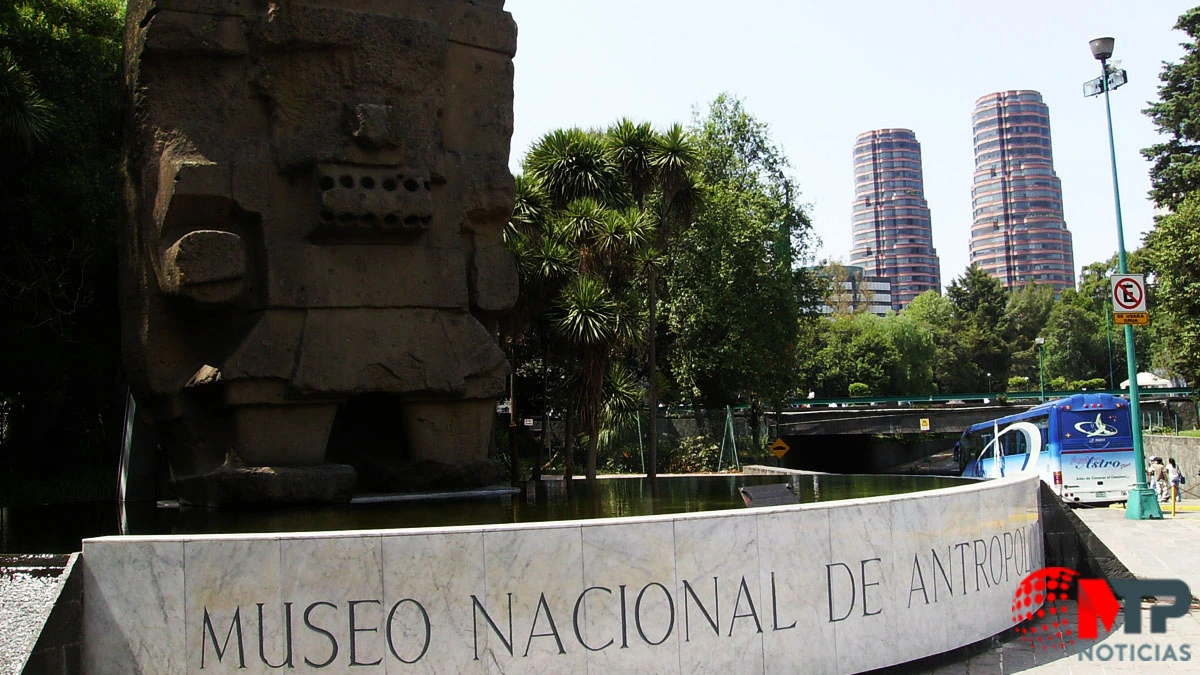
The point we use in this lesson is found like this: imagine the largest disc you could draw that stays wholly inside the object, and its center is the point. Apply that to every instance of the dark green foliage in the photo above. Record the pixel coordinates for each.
(735, 298)
(980, 303)
(1171, 247)
(692, 454)
(1174, 249)
(1176, 171)
(59, 210)
(978, 298)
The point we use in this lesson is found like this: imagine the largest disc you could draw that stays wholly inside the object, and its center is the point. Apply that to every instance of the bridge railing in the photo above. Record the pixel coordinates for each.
(1011, 396)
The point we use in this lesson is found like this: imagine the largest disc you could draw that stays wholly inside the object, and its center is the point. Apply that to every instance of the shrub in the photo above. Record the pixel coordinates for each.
(1019, 384)
(859, 390)
(693, 454)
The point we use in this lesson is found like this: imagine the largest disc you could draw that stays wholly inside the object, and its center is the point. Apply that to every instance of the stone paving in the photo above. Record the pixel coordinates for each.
(29, 585)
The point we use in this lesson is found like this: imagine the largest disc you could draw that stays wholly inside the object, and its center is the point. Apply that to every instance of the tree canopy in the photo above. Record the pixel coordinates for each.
(1175, 173)
(1171, 246)
(60, 139)
(735, 293)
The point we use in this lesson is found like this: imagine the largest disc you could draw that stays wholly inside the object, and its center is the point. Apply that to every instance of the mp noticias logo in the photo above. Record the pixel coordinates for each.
(1050, 618)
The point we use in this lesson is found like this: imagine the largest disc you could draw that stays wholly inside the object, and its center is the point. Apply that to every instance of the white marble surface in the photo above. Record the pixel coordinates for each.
(836, 587)
(133, 618)
(414, 575)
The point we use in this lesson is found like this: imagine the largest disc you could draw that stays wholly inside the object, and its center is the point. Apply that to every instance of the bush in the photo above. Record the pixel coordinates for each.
(693, 454)
(1057, 384)
(1094, 384)
(1019, 384)
(859, 390)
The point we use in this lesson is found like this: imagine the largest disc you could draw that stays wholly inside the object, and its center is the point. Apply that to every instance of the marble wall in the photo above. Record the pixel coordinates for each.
(838, 587)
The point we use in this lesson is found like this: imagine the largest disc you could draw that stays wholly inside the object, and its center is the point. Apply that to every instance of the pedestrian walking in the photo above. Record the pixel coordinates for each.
(1158, 476)
(1175, 477)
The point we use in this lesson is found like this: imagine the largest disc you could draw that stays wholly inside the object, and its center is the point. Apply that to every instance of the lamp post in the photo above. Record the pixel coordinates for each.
(989, 376)
(1041, 342)
(1142, 503)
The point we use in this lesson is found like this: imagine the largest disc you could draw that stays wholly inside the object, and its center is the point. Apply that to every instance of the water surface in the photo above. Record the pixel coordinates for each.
(60, 528)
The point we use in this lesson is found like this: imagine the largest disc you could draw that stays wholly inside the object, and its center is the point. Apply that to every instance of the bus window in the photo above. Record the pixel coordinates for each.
(1014, 443)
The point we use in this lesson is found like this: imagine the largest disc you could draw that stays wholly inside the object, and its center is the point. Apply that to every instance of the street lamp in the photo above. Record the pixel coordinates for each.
(1142, 503)
(989, 376)
(1041, 342)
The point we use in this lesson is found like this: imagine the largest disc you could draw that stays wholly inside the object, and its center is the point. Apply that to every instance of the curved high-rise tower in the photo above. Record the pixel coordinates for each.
(1019, 234)
(893, 237)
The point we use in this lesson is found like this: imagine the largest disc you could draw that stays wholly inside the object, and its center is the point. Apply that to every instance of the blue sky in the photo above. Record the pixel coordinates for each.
(819, 73)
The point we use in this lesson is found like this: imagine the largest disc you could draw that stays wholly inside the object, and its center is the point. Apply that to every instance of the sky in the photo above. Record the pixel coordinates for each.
(820, 73)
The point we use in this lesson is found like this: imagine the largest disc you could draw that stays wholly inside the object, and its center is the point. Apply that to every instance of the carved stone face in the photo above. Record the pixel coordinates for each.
(322, 156)
(318, 190)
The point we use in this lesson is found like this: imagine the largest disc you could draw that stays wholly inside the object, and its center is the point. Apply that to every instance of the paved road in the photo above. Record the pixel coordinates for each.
(1168, 548)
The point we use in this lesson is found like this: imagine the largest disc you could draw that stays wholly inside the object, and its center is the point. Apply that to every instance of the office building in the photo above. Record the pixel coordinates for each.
(851, 291)
(1019, 234)
(893, 235)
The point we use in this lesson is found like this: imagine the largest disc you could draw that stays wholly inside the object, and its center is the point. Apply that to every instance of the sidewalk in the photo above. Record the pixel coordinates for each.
(1168, 548)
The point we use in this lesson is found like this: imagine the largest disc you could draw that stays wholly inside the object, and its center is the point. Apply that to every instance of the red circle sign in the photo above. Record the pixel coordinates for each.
(1127, 294)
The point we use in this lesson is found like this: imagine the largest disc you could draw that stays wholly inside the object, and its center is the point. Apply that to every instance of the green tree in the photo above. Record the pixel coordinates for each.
(912, 372)
(60, 139)
(953, 366)
(1074, 349)
(658, 168)
(1025, 318)
(1175, 173)
(857, 349)
(980, 302)
(1172, 247)
(735, 298)
(581, 234)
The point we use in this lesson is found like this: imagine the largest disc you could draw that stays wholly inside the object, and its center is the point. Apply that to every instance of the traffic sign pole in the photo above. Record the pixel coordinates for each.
(1142, 503)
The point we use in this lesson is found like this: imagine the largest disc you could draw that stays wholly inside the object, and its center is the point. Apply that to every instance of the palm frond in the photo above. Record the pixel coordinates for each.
(675, 155)
(587, 312)
(25, 116)
(532, 206)
(571, 164)
(633, 147)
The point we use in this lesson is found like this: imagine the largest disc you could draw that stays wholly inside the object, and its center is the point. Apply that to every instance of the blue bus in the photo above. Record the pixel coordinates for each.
(1081, 446)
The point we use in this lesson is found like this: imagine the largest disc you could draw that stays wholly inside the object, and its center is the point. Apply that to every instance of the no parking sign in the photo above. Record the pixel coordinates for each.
(1129, 299)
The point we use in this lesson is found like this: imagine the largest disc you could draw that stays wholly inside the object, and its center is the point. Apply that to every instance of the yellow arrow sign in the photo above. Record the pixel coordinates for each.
(780, 448)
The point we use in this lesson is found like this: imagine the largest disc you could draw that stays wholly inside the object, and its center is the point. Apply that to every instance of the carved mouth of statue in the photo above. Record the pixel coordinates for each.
(356, 201)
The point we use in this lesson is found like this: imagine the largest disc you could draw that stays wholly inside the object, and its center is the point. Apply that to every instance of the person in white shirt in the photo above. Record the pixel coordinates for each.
(1175, 476)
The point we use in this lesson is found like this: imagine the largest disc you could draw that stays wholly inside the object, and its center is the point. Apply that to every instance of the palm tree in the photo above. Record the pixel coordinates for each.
(25, 116)
(658, 167)
(596, 187)
(571, 164)
(544, 264)
(587, 321)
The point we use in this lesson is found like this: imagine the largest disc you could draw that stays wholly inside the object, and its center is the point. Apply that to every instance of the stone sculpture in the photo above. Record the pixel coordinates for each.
(317, 191)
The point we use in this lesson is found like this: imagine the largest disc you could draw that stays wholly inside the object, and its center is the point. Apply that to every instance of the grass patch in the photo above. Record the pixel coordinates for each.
(1195, 433)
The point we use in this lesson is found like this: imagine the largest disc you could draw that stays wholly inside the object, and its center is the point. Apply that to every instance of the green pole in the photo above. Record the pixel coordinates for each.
(1142, 503)
(1108, 333)
(1041, 379)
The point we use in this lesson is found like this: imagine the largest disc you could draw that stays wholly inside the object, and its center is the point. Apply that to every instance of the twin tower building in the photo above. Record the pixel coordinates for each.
(1018, 233)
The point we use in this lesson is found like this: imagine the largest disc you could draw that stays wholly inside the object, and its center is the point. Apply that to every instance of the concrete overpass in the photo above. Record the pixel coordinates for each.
(876, 419)
(847, 439)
